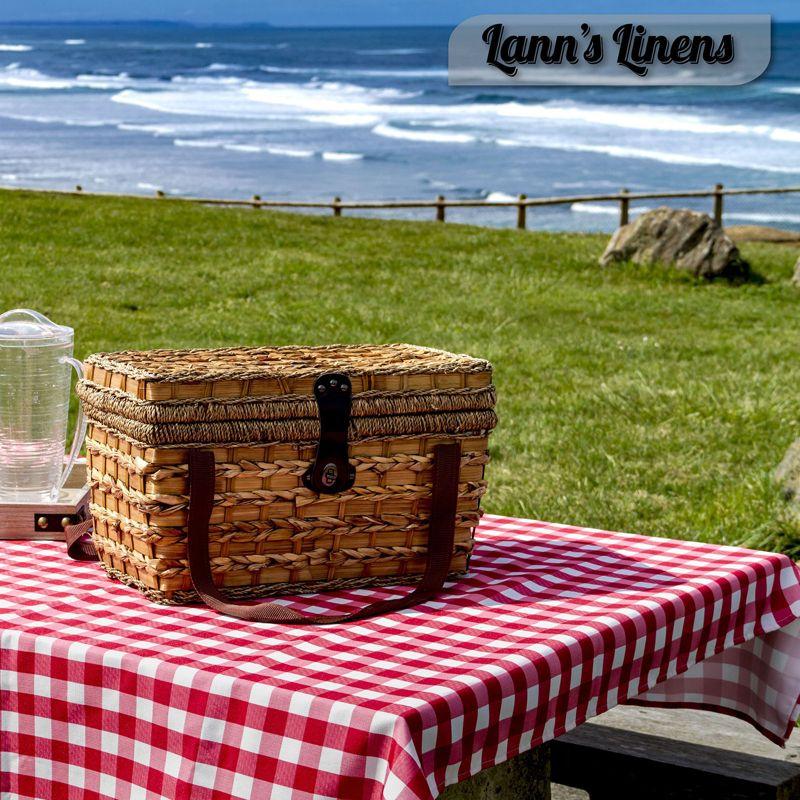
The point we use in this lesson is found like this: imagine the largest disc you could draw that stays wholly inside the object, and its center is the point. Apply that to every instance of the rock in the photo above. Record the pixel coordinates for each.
(787, 473)
(688, 240)
(796, 276)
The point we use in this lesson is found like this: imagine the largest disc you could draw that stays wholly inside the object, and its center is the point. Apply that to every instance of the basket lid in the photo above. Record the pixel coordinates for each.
(242, 372)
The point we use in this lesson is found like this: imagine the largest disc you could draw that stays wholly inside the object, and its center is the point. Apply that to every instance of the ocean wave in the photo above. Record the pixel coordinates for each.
(244, 147)
(343, 120)
(74, 42)
(792, 219)
(51, 120)
(392, 132)
(15, 48)
(664, 156)
(353, 72)
(181, 129)
(203, 45)
(15, 77)
(393, 113)
(217, 66)
(203, 143)
(289, 152)
(207, 80)
(345, 103)
(330, 155)
(394, 51)
(499, 197)
(642, 118)
(610, 209)
(330, 101)
(93, 81)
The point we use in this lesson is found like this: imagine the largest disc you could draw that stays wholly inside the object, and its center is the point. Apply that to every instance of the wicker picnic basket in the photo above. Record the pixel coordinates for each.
(237, 473)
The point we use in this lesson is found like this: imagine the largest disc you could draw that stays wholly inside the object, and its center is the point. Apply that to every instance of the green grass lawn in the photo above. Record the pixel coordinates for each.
(629, 398)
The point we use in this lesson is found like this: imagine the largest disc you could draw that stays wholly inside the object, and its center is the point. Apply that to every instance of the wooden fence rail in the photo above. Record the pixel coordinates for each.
(522, 203)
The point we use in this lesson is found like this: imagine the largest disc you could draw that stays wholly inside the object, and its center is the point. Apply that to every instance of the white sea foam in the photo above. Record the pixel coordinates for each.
(289, 152)
(245, 147)
(393, 51)
(351, 72)
(202, 143)
(343, 103)
(607, 209)
(612, 210)
(392, 132)
(15, 48)
(499, 197)
(334, 156)
(792, 219)
(643, 118)
(74, 42)
(221, 97)
(52, 120)
(784, 135)
(656, 135)
(343, 120)
(219, 67)
(150, 186)
(207, 80)
(664, 156)
(92, 81)
(15, 77)
(203, 45)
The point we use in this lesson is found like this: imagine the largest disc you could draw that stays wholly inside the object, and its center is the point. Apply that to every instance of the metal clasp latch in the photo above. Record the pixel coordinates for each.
(331, 471)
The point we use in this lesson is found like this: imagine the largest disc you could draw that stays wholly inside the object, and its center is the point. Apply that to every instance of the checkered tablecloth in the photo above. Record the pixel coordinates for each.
(105, 695)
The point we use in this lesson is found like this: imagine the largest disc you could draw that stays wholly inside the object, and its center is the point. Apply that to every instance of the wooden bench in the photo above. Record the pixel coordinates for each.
(637, 753)
(614, 764)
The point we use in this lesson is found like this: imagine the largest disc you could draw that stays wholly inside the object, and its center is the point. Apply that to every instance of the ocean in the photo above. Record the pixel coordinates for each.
(307, 114)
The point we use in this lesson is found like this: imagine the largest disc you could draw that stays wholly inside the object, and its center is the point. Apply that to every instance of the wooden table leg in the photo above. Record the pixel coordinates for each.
(526, 777)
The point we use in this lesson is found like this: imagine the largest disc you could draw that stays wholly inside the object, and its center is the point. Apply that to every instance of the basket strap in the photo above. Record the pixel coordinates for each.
(441, 536)
(79, 545)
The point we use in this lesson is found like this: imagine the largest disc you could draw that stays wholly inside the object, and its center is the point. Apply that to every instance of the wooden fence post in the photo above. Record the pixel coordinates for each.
(718, 204)
(440, 208)
(624, 207)
(521, 211)
(337, 209)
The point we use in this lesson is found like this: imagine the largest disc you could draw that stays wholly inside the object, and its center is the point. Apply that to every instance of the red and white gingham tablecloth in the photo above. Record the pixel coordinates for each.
(105, 695)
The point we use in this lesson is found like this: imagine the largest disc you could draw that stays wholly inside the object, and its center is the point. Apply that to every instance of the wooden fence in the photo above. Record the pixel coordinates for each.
(521, 203)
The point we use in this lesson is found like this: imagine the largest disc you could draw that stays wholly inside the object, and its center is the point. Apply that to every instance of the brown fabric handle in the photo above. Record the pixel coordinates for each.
(79, 545)
(441, 536)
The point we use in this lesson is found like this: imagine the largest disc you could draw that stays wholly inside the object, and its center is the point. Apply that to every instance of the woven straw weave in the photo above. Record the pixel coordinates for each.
(254, 407)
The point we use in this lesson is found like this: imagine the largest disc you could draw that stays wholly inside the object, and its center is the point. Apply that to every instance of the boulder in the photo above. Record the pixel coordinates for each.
(688, 240)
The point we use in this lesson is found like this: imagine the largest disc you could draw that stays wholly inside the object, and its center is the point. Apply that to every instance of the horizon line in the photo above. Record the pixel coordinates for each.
(260, 23)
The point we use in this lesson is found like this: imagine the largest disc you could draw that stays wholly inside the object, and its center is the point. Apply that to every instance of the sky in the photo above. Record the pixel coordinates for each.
(324, 13)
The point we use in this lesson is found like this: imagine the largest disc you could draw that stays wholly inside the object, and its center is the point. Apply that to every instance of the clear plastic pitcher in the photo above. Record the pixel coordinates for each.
(36, 365)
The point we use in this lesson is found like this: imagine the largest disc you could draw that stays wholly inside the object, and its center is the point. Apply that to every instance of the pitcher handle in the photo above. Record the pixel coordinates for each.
(80, 426)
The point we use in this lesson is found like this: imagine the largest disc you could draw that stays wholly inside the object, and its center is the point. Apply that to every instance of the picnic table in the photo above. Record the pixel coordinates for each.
(105, 695)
